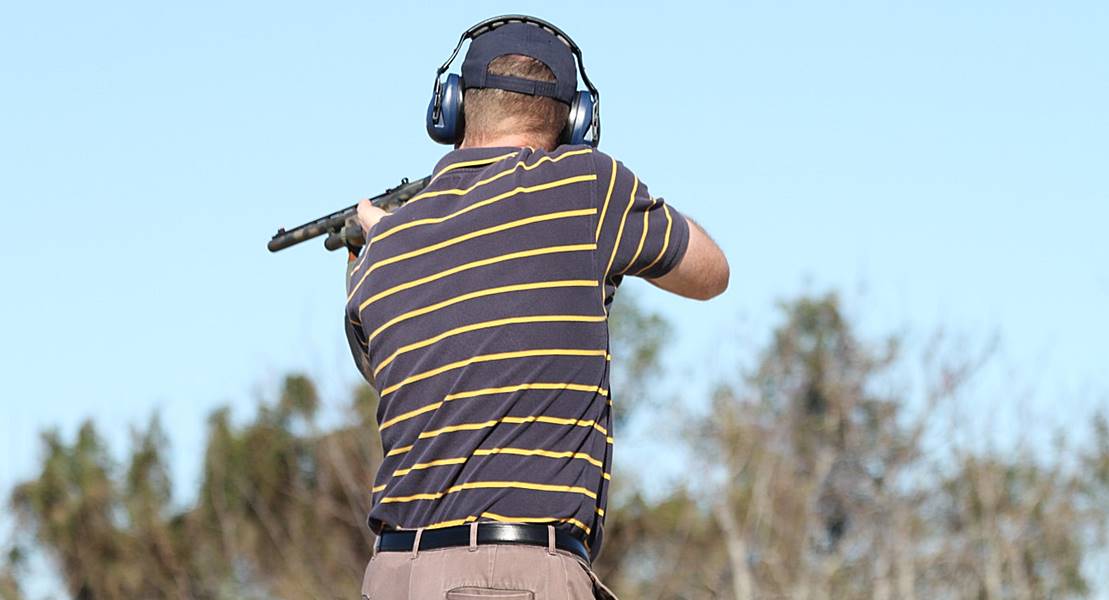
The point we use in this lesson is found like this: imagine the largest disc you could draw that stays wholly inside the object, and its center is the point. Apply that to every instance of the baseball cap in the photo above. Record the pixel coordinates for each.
(528, 40)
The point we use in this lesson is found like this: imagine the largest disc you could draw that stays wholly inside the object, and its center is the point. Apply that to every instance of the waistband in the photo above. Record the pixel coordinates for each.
(476, 534)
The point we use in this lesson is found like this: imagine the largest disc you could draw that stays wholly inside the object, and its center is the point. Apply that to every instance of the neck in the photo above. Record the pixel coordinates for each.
(513, 141)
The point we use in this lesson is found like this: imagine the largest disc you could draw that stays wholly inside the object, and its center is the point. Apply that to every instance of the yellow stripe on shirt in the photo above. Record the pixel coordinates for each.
(476, 485)
(399, 450)
(490, 358)
(620, 231)
(487, 325)
(539, 452)
(504, 519)
(473, 265)
(489, 392)
(513, 192)
(642, 236)
(427, 465)
(512, 420)
(665, 241)
(604, 208)
(504, 289)
(576, 387)
(472, 163)
(452, 522)
(557, 421)
(619, 235)
(408, 415)
(492, 451)
(521, 485)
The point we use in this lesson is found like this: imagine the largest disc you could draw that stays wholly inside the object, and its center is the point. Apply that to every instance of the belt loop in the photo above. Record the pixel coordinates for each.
(416, 542)
(473, 536)
(377, 544)
(550, 540)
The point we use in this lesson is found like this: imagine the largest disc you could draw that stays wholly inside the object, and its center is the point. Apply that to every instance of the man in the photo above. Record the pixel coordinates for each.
(479, 312)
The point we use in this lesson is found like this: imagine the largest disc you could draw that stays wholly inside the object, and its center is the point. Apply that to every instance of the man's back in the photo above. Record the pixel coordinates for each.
(482, 306)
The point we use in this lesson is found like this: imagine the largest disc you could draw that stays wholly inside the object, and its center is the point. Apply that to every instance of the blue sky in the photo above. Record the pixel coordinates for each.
(945, 164)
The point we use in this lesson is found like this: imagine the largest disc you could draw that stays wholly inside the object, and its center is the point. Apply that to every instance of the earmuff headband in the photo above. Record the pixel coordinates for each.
(492, 23)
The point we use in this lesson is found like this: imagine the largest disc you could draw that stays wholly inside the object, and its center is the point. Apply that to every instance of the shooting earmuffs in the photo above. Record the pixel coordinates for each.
(445, 122)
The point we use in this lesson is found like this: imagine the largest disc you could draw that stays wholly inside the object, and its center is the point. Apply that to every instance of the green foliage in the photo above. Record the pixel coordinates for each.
(812, 482)
(279, 513)
(821, 488)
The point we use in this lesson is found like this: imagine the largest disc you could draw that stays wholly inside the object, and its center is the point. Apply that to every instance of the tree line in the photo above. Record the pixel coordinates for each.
(814, 478)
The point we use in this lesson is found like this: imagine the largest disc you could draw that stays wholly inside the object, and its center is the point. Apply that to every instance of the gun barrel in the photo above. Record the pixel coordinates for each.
(334, 223)
(324, 225)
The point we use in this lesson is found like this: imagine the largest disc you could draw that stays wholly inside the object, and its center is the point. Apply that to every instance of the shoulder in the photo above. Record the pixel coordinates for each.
(609, 165)
(563, 158)
(547, 169)
(613, 174)
(604, 162)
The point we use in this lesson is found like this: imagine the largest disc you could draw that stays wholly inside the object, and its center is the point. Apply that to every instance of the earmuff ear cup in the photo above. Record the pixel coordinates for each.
(579, 121)
(449, 127)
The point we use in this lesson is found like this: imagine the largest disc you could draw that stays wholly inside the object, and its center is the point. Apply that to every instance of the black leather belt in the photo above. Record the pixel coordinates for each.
(487, 533)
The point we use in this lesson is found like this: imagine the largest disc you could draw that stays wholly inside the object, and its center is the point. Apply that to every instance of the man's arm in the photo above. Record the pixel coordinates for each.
(356, 338)
(702, 272)
(646, 237)
(358, 351)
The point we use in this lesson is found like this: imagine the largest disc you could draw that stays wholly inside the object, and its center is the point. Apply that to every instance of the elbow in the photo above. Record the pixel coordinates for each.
(724, 277)
(717, 281)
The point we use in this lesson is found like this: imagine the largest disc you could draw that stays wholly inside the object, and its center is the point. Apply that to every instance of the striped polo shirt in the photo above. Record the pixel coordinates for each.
(479, 311)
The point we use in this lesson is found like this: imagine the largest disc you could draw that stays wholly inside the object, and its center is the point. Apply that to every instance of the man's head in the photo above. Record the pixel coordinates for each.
(492, 114)
(519, 81)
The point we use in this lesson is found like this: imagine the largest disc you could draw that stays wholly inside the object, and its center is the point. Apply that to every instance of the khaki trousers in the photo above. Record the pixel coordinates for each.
(493, 571)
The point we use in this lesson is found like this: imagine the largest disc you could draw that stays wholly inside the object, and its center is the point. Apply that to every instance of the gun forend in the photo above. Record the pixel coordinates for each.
(335, 225)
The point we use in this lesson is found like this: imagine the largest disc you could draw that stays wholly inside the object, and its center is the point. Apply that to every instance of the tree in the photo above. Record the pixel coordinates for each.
(826, 491)
(812, 482)
(280, 511)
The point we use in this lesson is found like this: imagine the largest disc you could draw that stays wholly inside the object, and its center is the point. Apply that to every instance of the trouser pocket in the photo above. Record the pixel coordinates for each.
(479, 593)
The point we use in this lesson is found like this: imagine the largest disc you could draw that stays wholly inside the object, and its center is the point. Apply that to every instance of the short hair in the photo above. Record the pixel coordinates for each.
(491, 113)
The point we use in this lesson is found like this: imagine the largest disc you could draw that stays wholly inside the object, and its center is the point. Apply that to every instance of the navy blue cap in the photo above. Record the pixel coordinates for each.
(528, 40)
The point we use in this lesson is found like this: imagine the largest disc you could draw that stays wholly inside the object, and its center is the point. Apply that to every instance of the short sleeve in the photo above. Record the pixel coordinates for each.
(636, 233)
